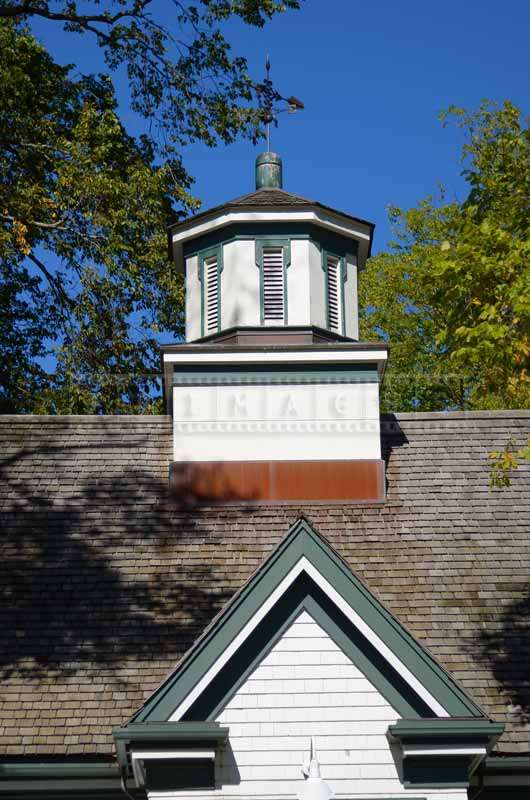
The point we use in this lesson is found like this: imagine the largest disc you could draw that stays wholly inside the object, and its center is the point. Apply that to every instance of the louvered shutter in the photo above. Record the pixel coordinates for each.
(334, 307)
(273, 285)
(211, 295)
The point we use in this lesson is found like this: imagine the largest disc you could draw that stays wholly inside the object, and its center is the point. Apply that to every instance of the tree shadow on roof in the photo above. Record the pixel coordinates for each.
(505, 648)
(100, 569)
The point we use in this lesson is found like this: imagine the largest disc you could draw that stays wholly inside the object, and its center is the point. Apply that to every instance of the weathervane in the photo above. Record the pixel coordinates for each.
(271, 102)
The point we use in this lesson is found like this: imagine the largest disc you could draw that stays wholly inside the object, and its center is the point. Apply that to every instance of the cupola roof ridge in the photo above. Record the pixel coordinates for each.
(271, 194)
(267, 196)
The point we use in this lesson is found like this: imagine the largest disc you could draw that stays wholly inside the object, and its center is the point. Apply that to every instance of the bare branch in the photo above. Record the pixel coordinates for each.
(55, 284)
(26, 9)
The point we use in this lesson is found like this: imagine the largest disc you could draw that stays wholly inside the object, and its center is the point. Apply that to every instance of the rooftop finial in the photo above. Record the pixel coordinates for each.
(269, 165)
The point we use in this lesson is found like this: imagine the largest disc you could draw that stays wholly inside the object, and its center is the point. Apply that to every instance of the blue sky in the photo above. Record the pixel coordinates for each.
(373, 77)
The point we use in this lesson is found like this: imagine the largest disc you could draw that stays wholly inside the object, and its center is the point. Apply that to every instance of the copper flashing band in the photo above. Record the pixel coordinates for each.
(279, 481)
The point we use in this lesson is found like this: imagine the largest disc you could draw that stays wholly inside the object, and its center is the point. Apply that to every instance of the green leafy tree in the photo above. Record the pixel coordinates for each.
(453, 294)
(504, 462)
(181, 72)
(84, 205)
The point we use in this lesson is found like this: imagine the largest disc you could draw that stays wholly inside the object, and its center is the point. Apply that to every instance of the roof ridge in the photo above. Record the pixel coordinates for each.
(39, 419)
(500, 413)
(266, 190)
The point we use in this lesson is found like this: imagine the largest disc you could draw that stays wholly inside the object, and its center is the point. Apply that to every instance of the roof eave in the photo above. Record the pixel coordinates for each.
(355, 228)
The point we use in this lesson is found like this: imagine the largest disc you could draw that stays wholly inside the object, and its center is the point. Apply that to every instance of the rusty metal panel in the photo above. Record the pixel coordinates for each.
(279, 481)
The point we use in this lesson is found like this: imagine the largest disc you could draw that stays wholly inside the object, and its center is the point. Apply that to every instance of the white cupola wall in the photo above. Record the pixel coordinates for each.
(271, 259)
(270, 282)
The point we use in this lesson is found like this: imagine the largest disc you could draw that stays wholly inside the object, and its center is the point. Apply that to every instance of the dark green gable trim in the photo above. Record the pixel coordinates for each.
(305, 595)
(302, 540)
(237, 374)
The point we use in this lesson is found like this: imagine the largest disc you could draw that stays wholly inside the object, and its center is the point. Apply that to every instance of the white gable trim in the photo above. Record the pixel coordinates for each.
(303, 565)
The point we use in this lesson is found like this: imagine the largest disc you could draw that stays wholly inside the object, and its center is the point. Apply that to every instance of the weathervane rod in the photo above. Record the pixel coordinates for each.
(267, 67)
(270, 100)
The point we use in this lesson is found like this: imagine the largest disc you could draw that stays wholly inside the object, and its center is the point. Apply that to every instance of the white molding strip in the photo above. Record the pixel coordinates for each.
(172, 755)
(440, 750)
(303, 565)
(287, 356)
(403, 794)
(319, 217)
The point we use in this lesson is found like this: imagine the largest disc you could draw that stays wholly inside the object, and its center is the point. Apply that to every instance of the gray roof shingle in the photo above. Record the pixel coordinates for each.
(264, 198)
(107, 580)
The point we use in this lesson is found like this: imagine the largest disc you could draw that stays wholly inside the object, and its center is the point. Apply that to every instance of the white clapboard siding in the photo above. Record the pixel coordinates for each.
(212, 295)
(306, 686)
(273, 285)
(334, 305)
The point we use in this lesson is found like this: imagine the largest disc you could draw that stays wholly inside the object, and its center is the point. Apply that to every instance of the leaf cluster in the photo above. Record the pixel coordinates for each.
(84, 207)
(505, 462)
(182, 76)
(86, 291)
(453, 294)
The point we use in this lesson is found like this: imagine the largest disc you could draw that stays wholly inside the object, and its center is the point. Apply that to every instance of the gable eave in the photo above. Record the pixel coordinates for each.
(303, 542)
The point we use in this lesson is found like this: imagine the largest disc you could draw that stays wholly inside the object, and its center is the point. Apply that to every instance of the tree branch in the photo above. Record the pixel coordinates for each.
(34, 223)
(26, 9)
(55, 284)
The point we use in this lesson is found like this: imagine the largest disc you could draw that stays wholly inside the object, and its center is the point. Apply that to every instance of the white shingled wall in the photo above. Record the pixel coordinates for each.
(306, 686)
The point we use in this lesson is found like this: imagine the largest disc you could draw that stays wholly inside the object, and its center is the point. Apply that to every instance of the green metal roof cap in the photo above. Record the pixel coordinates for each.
(269, 171)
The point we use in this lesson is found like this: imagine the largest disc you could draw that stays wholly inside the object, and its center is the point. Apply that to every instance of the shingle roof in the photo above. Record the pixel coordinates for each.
(273, 197)
(263, 198)
(107, 580)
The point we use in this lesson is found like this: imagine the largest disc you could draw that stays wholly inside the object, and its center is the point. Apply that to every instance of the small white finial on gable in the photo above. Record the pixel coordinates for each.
(314, 788)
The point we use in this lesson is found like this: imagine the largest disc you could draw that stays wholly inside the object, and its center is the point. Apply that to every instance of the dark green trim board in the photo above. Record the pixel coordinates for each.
(269, 230)
(499, 793)
(303, 541)
(242, 374)
(166, 736)
(48, 770)
(516, 765)
(216, 252)
(422, 730)
(60, 780)
(285, 244)
(436, 772)
(181, 776)
(446, 769)
(305, 595)
(172, 732)
(72, 791)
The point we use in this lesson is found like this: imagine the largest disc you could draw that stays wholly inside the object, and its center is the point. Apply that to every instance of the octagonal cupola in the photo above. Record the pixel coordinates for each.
(270, 261)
